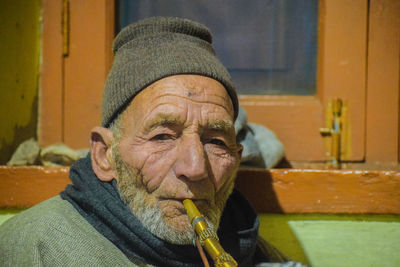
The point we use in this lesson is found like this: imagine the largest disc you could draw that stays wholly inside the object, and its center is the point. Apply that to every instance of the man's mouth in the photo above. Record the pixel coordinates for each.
(172, 199)
(177, 203)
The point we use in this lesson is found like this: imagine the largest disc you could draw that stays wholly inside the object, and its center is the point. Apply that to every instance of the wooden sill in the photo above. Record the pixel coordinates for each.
(29, 185)
(272, 191)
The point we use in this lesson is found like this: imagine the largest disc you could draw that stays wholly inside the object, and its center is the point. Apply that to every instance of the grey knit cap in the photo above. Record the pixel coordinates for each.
(154, 48)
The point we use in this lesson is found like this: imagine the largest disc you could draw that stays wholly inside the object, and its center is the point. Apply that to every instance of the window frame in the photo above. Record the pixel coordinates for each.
(350, 68)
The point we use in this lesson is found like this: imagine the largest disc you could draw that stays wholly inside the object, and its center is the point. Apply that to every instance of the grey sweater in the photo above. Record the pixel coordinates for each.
(53, 233)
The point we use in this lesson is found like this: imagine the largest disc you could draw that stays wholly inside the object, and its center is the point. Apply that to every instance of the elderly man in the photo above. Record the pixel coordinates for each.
(167, 135)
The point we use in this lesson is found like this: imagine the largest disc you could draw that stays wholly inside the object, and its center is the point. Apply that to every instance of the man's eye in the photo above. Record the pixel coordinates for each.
(162, 137)
(217, 142)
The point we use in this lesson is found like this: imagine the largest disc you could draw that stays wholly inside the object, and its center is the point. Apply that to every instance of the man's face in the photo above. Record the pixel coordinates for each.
(177, 142)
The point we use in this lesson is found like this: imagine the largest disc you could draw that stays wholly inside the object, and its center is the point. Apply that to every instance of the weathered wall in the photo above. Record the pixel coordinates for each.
(19, 73)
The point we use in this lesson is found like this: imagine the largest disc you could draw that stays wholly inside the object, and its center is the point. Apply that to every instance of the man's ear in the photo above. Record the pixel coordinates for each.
(101, 153)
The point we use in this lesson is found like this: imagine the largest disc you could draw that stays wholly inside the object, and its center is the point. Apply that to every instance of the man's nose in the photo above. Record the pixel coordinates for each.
(191, 159)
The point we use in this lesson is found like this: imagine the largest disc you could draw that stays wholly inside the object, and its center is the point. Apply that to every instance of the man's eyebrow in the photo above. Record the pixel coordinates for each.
(222, 126)
(163, 120)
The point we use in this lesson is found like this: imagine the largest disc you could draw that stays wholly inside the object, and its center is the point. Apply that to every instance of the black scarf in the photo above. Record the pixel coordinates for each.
(100, 204)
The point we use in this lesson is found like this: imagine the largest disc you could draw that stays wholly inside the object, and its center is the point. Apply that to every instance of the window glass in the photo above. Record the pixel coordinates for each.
(268, 46)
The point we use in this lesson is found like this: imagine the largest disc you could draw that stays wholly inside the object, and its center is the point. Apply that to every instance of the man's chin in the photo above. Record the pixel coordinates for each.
(178, 224)
(175, 230)
(175, 222)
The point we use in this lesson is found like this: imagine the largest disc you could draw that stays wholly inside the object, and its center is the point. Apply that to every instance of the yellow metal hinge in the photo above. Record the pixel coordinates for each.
(65, 27)
(337, 133)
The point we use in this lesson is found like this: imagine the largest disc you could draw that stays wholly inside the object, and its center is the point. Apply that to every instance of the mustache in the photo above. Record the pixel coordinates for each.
(184, 191)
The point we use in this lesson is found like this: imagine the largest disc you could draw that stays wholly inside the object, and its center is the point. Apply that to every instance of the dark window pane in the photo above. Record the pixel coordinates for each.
(269, 46)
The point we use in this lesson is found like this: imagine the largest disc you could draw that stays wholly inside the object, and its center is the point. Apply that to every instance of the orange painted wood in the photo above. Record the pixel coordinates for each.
(383, 81)
(274, 191)
(27, 186)
(342, 48)
(86, 67)
(50, 120)
(294, 119)
(321, 191)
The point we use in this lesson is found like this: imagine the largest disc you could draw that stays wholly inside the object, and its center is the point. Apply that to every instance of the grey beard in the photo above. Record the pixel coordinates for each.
(136, 197)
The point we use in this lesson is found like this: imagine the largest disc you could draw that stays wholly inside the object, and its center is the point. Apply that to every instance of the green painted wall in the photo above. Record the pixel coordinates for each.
(19, 73)
(335, 240)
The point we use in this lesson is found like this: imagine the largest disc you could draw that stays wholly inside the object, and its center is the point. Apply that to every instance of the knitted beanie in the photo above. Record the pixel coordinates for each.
(154, 48)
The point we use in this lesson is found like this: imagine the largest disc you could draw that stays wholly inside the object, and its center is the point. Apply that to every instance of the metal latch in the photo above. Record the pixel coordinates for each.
(337, 133)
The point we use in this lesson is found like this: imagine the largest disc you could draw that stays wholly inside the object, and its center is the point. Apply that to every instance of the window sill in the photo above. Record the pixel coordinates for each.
(269, 191)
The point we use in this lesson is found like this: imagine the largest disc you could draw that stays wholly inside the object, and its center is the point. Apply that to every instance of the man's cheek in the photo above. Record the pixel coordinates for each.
(133, 155)
(223, 169)
(156, 167)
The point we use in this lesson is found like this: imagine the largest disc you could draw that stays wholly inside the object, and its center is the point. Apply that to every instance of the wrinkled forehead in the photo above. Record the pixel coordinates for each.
(195, 88)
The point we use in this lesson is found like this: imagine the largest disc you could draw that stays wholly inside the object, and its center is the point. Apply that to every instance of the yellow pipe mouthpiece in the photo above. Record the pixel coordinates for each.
(207, 237)
(191, 209)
